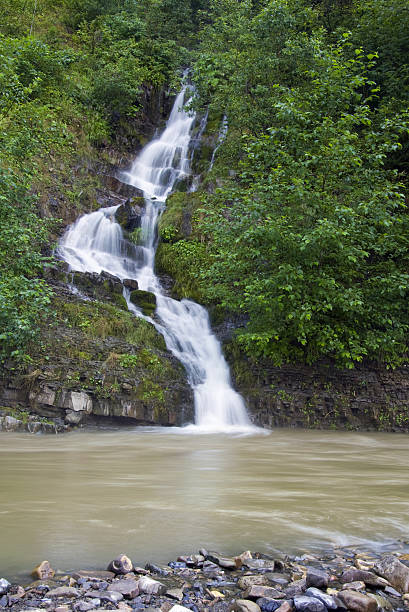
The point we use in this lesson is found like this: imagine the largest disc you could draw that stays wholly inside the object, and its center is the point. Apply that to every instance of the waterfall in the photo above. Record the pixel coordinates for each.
(95, 242)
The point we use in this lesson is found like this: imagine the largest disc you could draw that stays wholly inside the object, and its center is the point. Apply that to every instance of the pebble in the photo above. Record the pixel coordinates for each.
(42, 571)
(245, 605)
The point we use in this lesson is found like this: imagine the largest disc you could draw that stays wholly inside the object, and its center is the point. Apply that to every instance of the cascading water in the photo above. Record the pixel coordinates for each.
(95, 243)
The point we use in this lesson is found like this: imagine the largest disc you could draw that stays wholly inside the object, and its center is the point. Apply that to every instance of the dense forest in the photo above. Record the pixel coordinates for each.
(299, 230)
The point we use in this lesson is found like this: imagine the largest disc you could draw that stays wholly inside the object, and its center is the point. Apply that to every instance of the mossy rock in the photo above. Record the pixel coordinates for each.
(145, 300)
(128, 215)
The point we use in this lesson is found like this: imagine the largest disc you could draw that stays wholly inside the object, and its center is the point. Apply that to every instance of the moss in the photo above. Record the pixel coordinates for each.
(99, 320)
(145, 300)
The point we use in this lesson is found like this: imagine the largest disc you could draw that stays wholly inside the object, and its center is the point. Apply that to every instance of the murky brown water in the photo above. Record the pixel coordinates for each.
(82, 498)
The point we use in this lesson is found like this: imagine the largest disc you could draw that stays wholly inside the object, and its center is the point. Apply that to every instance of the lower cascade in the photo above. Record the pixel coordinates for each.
(95, 242)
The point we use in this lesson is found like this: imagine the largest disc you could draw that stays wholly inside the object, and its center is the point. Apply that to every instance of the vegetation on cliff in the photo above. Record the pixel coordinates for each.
(301, 226)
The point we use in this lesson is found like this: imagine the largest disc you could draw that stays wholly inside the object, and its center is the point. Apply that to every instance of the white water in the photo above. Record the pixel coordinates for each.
(95, 243)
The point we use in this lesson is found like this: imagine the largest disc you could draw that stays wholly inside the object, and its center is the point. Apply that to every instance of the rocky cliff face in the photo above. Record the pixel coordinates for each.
(97, 362)
(322, 396)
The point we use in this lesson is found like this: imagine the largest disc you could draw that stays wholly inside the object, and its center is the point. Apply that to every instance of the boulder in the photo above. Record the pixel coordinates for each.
(129, 215)
(43, 571)
(145, 300)
(76, 401)
(358, 602)
(394, 571)
(130, 283)
(121, 565)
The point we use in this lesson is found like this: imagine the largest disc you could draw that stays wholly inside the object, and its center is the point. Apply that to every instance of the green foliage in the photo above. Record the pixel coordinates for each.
(309, 241)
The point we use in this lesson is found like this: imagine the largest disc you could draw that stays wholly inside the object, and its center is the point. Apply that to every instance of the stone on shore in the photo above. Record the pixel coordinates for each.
(303, 603)
(43, 571)
(247, 581)
(316, 578)
(326, 599)
(63, 591)
(245, 605)
(4, 586)
(394, 571)
(255, 591)
(356, 575)
(358, 602)
(121, 565)
(128, 587)
(150, 587)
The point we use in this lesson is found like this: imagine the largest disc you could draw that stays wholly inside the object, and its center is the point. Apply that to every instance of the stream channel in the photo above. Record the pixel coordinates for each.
(80, 499)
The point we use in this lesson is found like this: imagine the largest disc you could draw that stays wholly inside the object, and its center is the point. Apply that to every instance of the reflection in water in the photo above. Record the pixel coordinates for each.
(84, 497)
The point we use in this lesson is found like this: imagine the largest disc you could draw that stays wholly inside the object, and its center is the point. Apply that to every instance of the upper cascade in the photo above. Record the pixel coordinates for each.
(95, 242)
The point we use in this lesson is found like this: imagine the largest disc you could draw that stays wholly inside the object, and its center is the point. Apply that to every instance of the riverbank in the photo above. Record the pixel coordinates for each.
(339, 579)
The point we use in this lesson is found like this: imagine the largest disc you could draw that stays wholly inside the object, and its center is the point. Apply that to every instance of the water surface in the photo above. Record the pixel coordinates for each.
(82, 498)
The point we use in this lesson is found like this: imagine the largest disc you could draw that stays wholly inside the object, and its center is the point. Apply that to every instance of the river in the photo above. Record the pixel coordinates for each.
(80, 499)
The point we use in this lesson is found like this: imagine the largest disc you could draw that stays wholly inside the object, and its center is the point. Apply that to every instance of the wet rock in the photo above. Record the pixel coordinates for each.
(128, 215)
(326, 599)
(130, 283)
(150, 586)
(129, 588)
(308, 604)
(121, 565)
(178, 608)
(4, 586)
(247, 581)
(256, 591)
(3, 601)
(358, 602)
(210, 567)
(316, 578)
(396, 572)
(245, 605)
(43, 571)
(353, 575)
